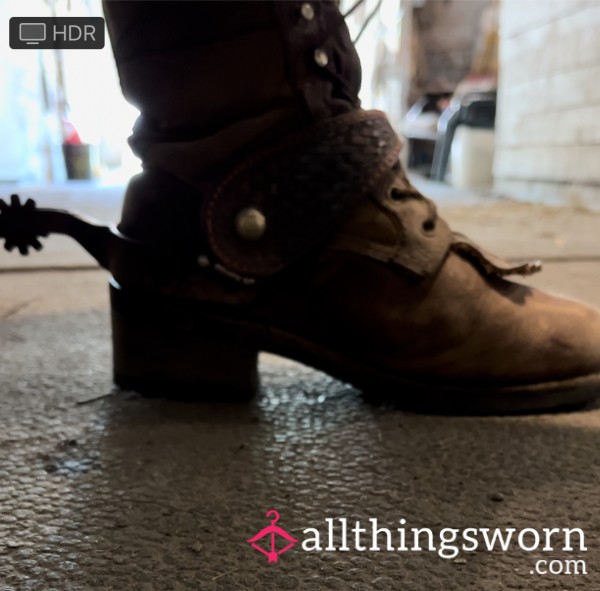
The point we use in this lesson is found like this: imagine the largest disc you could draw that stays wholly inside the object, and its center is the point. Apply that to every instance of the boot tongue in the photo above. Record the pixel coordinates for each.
(490, 263)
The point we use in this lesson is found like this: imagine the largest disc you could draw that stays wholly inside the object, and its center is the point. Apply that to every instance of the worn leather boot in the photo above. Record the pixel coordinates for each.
(275, 217)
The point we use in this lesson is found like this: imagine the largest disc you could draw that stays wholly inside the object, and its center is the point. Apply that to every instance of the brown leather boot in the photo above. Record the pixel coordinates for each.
(275, 217)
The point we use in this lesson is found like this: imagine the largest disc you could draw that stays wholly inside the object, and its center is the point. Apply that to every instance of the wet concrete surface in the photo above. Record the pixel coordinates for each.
(105, 490)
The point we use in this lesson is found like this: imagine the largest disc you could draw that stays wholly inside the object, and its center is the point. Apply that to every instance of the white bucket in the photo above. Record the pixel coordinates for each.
(472, 157)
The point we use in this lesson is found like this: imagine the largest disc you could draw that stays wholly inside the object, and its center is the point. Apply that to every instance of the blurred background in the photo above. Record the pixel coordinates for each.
(497, 96)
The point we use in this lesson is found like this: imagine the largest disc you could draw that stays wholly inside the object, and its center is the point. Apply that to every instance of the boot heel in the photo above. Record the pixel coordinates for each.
(159, 350)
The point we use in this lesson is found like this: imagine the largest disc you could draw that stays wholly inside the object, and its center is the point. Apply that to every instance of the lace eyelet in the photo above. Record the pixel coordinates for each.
(395, 194)
(428, 226)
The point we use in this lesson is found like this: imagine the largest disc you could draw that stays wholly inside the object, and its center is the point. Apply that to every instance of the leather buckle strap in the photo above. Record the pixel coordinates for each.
(278, 205)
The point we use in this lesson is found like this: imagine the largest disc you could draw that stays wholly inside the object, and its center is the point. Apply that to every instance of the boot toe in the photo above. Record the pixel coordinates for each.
(572, 344)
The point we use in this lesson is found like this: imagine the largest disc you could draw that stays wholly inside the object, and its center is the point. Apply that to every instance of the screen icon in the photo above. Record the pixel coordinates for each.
(32, 33)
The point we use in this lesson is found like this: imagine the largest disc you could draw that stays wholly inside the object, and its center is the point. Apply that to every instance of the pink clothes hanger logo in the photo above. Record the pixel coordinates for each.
(272, 530)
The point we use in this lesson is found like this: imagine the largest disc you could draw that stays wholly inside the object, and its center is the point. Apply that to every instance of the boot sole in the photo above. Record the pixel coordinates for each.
(164, 347)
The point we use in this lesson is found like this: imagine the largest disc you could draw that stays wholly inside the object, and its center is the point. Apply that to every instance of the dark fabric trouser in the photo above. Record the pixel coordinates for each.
(214, 79)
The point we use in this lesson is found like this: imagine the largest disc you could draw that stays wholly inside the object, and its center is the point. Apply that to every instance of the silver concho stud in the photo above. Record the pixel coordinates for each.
(321, 58)
(307, 11)
(250, 224)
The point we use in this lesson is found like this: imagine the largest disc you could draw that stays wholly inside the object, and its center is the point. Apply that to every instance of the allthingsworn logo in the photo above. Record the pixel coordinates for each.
(271, 532)
(565, 546)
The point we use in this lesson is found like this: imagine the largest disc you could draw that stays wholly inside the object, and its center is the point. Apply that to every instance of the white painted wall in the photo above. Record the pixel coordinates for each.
(548, 122)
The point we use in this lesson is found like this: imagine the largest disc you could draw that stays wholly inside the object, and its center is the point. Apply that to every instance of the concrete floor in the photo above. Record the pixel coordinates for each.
(104, 490)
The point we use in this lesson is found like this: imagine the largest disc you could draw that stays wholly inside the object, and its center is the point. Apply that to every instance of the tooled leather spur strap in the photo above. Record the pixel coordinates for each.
(303, 188)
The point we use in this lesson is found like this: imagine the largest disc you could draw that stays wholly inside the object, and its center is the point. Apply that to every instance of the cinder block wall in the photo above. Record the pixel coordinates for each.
(548, 122)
